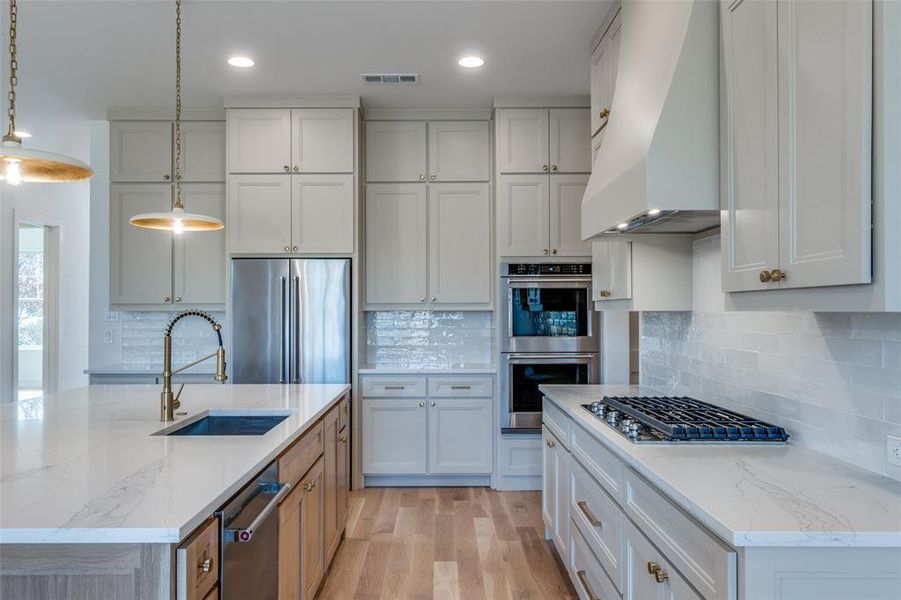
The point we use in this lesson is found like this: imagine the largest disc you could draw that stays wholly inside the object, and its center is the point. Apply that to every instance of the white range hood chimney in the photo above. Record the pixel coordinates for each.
(657, 170)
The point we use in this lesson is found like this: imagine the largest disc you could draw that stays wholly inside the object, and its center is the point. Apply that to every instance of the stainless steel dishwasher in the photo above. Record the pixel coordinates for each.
(249, 539)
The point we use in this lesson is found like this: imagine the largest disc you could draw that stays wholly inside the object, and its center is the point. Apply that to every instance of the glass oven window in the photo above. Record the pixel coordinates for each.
(525, 380)
(549, 312)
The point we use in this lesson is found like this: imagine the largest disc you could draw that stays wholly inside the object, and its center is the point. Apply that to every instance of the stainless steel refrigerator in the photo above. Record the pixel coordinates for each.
(290, 320)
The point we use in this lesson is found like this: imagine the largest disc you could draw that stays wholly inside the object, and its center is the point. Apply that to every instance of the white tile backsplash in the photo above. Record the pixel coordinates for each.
(142, 340)
(832, 379)
(424, 339)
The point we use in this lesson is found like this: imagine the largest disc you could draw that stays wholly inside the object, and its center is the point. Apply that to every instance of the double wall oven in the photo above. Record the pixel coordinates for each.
(549, 335)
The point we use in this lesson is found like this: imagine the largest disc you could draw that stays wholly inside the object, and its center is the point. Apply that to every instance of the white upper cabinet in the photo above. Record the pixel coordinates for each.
(611, 269)
(797, 165)
(203, 151)
(604, 63)
(522, 140)
(458, 151)
(459, 244)
(523, 215)
(199, 259)
(750, 195)
(259, 140)
(570, 146)
(259, 214)
(322, 213)
(566, 215)
(396, 230)
(395, 151)
(322, 140)
(141, 151)
(140, 259)
(825, 113)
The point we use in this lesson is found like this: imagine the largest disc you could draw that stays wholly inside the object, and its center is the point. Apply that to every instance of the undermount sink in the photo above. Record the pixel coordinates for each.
(226, 425)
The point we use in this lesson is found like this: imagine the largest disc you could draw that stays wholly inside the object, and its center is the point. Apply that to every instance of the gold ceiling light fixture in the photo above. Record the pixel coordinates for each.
(177, 220)
(18, 164)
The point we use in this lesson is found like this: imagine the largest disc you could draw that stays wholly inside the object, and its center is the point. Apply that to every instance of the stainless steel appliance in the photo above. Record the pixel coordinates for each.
(249, 540)
(549, 335)
(681, 420)
(290, 320)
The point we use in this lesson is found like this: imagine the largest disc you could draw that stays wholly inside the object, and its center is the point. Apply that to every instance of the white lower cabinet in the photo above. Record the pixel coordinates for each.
(648, 574)
(447, 432)
(555, 498)
(589, 578)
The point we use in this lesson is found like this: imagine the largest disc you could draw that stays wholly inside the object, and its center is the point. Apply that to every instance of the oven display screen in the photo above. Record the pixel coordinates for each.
(525, 379)
(549, 312)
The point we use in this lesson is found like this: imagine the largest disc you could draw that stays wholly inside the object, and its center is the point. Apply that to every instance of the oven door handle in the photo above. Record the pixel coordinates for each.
(530, 280)
(521, 358)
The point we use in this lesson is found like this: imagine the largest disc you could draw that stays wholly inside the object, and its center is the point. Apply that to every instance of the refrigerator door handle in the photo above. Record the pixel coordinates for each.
(298, 340)
(281, 354)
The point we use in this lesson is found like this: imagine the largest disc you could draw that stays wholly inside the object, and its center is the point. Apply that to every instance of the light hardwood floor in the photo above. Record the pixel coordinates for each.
(445, 543)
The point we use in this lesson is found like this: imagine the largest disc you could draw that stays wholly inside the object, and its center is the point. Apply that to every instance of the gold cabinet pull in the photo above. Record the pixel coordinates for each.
(422, 178)
(207, 565)
(604, 113)
(296, 168)
(553, 167)
(605, 293)
(394, 387)
(659, 574)
(583, 506)
(545, 251)
(777, 275)
(544, 167)
(309, 485)
(584, 581)
(551, 443)
(765, 277)
(343, 439)
(461, 387)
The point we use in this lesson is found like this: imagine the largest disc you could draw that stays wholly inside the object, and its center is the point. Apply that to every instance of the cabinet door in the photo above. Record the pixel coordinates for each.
(549, 451)
(611, 268)
(566, 215)
(259, 140)
(259, 213)
(458, 151)
(523, 215)
(570, 140)
(522, 140)
(203, 151)
(140, 259)
(342, 467)
(394, 436)
(825, 116)
(561, 503)
(641, 584)
(460, 435)
(459, 244)
(396, 244)
(613, 40)
(750, 195)
(141, 151)
(600, 94)
(395, 151)
(312, 556)
(199, 264)
(331, 532)
(290, 545)
(322, 213)
(322, 140)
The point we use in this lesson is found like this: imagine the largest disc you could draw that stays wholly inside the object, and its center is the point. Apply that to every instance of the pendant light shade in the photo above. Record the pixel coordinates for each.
(18, 164)
(177, 220)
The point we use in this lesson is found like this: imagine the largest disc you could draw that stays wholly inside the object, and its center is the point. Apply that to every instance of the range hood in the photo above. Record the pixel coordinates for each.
(657, 170)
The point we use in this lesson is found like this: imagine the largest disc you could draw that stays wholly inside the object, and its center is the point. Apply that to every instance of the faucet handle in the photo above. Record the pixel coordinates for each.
(175, 402)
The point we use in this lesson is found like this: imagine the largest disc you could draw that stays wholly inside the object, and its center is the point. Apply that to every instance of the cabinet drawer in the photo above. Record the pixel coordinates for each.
(450, 386)
(602, 464)
(298, 459)
(587, 575)
(343, 414)
(556, 420)
(197, 562)
(708, 564)
(394, 386)
(600, 519)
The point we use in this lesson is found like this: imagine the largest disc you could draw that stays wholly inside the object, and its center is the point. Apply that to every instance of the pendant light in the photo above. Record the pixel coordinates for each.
(18, 164)
(177, 220)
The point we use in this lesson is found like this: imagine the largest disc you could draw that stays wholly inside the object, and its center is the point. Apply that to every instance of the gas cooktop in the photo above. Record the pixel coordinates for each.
(680, 419)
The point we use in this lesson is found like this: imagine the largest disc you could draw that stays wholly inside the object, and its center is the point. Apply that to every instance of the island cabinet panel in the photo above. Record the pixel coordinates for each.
(197, 562)
(342, 476)
(331, 528)
(301, 555)
(302, 455)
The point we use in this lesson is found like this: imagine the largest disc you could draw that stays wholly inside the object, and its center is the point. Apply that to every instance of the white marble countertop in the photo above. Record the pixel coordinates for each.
(465, 369)
(781, 495)
(82, 466)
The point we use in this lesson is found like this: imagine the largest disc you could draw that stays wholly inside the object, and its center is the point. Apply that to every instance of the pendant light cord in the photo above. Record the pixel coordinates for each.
(178, 202)
(13, 75)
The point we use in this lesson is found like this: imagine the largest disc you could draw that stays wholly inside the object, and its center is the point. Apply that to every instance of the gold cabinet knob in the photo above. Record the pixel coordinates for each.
(604, 113)
(605, 293)
(551, 443)
(309, 485)
(207, 565)
(421, 404)
(166, 177)
(166, 299)
(431, 178)
(294, 248)
(777, 275)
(553, 167)
(178, 298)
(422, 178)
(544, 167)
(287, 169)
(296, 168)
(287, 248)
(343, 439)
(765, 277)
(554, 251)
(545, 251)
(653, 568)
(661, 576)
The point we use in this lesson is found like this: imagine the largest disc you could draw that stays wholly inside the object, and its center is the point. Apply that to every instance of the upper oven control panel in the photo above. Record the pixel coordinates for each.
(548, 269)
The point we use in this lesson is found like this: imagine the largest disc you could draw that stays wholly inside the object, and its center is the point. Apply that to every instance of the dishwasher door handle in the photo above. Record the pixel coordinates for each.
(246, 534)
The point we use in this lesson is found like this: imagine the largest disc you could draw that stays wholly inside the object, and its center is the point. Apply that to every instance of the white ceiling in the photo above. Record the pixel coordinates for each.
(97, 54)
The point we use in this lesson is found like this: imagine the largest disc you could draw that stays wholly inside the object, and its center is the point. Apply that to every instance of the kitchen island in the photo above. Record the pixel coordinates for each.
(747, 521)
(91, 495)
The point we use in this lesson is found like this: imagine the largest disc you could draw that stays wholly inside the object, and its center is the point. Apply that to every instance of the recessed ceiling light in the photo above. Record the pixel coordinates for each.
(242, 62)
(22, 134)
(471, 62)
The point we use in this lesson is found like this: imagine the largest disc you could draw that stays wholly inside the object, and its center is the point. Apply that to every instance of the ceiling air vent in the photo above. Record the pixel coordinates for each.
(390, 78)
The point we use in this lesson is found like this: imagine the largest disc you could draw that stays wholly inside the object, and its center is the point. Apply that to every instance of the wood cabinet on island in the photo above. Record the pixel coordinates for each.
(98, 504)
